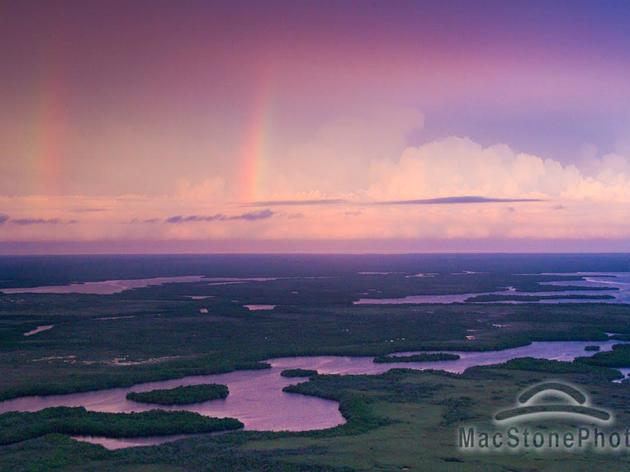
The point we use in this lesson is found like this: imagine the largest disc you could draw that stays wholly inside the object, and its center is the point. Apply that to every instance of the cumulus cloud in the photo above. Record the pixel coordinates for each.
(3, 218)
(460, 166)
(448, 188)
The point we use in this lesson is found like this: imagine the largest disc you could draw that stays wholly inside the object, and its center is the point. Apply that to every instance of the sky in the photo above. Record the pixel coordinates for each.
(314, 126)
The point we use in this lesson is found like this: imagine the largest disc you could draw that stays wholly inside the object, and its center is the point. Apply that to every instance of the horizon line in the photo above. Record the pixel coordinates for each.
(495, 245)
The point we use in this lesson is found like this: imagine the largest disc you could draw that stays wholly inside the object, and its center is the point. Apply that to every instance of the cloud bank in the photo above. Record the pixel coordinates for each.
(451, 188)
(460, 166)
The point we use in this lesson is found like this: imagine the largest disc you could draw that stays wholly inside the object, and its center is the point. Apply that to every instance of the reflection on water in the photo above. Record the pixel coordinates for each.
(109, 287)
(259, 307)
(106, 287)
(39, 329)
(556, 350)
(614, 284)
(122, 443)
(625, 371)
(256, 397)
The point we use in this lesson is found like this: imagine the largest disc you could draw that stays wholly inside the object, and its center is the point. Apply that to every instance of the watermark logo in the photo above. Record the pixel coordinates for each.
(547, 416)
(531, 407)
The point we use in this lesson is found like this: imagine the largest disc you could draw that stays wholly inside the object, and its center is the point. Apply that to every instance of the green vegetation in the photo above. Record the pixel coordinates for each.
(81, 380)
(77, 354)
(298, 373)
(15, 427)
(558, 367)
(181, 395)
(619, 356)
(401, 420)
(424, 357)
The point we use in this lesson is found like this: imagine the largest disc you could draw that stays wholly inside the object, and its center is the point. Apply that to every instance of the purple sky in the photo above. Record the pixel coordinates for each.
(118, 116)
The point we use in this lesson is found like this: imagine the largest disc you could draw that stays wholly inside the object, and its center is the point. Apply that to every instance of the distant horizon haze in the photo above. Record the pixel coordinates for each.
(368, 247)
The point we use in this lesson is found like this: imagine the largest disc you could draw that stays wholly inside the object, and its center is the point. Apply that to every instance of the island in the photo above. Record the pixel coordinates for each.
(424, 357)
(298, 373)
(181, 395)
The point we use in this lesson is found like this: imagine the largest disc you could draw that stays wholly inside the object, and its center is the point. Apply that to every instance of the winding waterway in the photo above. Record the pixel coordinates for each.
(256, 397)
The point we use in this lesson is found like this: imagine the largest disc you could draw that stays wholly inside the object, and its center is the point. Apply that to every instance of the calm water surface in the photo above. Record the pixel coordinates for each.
(106, 287)
(39, 329)
(614, 284)
(109, 287)
(256, 397)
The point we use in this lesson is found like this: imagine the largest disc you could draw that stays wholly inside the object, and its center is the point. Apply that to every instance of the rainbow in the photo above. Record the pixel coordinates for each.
(256, 142)
(44, 155)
